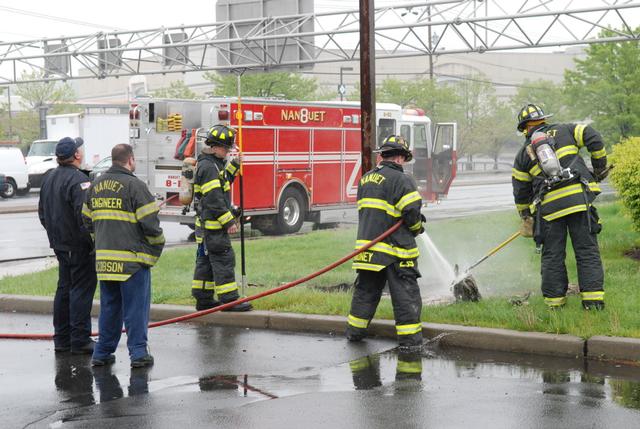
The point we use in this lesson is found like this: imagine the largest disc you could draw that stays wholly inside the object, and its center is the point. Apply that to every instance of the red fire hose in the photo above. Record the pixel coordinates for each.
(238, 301)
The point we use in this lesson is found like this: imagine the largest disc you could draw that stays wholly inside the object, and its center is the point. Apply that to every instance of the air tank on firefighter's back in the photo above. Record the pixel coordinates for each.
(549, 162)
(186, 181)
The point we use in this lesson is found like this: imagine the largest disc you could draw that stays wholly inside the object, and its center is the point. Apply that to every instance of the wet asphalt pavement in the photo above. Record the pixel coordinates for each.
(209, 376)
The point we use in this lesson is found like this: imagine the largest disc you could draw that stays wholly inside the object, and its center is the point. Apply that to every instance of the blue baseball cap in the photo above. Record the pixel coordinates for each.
(68, 146)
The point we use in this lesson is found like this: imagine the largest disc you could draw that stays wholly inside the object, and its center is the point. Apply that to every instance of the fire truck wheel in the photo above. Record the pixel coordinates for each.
(291, 211)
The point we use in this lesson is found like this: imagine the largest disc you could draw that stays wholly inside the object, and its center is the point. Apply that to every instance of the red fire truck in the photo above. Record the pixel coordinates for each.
(301, 160)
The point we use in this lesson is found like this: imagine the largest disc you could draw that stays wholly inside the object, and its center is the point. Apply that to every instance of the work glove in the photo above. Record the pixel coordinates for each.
(526, 227)
(601, 173)
(424, 221)
(236, 211)
(236, 158)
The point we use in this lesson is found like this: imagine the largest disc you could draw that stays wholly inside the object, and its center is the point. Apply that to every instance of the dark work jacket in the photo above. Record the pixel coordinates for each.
(212, 192)
(212, 189)
(122, 215)
(385, 196)
(61, 197)
(566, 197)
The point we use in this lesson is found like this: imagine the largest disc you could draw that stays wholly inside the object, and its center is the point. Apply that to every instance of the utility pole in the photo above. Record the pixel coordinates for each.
(367, 82)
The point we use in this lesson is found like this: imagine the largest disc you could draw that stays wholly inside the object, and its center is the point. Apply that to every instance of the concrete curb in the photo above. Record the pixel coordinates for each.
(507, 340)
(18, 209)
(616, 349)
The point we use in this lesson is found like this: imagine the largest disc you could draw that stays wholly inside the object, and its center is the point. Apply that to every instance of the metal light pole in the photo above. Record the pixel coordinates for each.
(9, 110)
(430, 44)
(243, 269)
(341, 88)
(433, 42)
(42, 111)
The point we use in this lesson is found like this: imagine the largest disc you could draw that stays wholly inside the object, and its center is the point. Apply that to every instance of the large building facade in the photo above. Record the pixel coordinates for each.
(505, 70)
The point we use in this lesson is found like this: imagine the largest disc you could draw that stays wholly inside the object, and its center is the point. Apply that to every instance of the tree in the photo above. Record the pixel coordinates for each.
(475, 95)
(177, 89)
(544, 93)
(495, 130)
(26, 126)
(59, 96)
(290, 86)
(437, 100)
(604, 88)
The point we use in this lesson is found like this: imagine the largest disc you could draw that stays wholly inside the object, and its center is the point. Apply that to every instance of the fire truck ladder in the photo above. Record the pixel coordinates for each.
(404, 30)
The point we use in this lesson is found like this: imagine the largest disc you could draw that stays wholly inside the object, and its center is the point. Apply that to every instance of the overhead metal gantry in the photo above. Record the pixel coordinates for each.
(410, 29)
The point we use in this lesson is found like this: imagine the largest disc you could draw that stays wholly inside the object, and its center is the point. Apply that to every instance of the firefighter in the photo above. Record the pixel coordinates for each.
(554, 193)
(385, 196)
(123, 216)
(215, 220)
(59, 209)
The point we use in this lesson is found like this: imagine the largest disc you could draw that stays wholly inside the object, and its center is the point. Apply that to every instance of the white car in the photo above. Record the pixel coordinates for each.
(40, 159)
(14, 167)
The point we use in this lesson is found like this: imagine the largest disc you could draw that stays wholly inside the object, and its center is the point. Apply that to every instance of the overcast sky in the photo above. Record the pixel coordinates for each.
(34, 19)
(76, 17)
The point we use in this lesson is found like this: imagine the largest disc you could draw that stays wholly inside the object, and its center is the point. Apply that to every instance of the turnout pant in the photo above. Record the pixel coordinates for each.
(202, 286)
(405, 298)
(127, 302)
(222, 261)
(73, 299)
(585, 247)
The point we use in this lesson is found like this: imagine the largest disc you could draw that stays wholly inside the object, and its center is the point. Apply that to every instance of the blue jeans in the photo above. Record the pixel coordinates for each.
(127, 302)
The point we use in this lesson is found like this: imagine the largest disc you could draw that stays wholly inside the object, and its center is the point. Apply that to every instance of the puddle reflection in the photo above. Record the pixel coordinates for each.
(389, 373)
(80, 384)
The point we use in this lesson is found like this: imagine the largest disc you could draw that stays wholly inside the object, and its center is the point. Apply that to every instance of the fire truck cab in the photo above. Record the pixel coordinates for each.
(301, 160)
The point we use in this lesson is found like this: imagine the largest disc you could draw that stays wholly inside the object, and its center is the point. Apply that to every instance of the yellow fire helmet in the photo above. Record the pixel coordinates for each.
(395, 145)
(221, 135)
(530, 112)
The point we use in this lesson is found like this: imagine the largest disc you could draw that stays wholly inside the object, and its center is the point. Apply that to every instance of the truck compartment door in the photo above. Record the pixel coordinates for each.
(443, 158)
(421, 148)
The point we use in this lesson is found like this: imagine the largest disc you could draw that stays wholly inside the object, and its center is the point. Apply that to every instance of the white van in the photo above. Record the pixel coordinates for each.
(40, 159)
(14, 168)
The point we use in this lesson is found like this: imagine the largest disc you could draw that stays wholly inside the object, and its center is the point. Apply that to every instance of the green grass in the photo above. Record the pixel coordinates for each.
(273, 261)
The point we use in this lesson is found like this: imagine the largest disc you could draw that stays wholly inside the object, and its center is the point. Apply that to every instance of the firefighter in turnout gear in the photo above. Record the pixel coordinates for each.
(122, 216)
(554, 193)
(385, 196)
(215, 220)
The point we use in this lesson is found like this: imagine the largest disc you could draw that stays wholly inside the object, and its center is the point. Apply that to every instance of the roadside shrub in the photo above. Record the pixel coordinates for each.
(626, 176)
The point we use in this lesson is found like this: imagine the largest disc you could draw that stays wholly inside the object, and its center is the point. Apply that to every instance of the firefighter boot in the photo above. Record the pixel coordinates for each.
(245, 306)
(204, 299)
(354, 334)
(205, 304)
(593, 305)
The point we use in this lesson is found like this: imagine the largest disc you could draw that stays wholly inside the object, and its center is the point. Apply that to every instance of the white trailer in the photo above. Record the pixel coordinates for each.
(101, 127)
